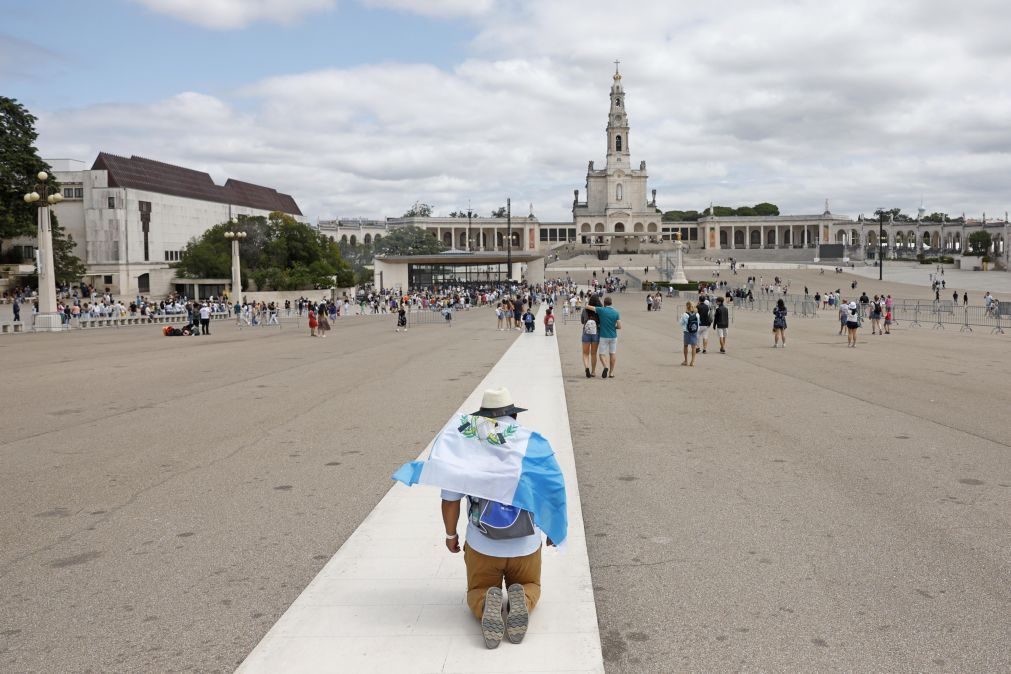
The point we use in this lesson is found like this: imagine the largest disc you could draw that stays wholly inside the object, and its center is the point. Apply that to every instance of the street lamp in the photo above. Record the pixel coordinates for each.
(470, 242)
(881, 231)
(47, 320)
(509, 236)
(236, 235)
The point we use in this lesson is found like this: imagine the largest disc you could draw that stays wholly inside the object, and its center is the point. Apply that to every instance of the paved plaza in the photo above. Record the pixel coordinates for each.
(198, 504)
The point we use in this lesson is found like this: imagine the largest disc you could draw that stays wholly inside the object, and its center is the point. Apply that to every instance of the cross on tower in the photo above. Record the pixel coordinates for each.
(616, 67)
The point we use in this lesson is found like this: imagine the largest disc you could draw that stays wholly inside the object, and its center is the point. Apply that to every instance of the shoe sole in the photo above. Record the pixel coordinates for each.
(519, 617)
(492, 625)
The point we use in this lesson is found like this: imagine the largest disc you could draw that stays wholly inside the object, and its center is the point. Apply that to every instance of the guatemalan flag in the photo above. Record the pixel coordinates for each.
(497, 460)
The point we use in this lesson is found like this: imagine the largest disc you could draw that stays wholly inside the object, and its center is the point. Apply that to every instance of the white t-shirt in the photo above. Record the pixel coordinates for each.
(205, 313)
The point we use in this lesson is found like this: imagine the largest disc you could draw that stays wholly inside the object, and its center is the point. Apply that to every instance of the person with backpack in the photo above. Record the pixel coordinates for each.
(690, 332)
(549, 322)
(591, 337)
(705, 321)
(779, 324)
(476, 457)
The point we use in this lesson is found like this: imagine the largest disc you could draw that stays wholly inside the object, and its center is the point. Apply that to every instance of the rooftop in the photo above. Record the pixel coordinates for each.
(155, 176)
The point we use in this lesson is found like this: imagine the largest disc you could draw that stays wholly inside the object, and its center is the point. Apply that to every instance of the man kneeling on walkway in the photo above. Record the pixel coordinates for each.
(514, 490)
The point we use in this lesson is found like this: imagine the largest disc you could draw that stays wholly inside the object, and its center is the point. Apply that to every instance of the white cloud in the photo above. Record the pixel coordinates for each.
(435, 8)
(227, 14)
(793, 103)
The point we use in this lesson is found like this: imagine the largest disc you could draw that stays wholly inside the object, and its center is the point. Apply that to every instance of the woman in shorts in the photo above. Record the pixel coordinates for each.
(779, 324)
(690, 339)
(591, 336)
(852, 323)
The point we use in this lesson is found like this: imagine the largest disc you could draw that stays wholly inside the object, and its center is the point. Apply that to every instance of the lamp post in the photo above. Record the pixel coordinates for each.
(509, 237)
(881, 231)
(236, 235)
(47, 320)
(470, 242)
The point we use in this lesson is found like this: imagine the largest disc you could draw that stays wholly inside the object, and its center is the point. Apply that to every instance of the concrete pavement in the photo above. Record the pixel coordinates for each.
(809, 508)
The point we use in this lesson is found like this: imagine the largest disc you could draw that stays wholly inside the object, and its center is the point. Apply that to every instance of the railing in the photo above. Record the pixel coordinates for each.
(916, 313)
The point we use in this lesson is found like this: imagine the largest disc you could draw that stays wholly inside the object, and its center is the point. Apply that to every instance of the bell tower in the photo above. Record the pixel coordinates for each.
(618, 155)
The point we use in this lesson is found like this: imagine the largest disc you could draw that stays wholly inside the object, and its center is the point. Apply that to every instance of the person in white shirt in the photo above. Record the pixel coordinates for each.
(205, 319)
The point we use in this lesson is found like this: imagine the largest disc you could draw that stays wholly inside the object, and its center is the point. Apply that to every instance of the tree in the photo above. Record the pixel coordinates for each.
(359, 256)
(680, 216)
(458, 214)
(935, 217)
(279, 253)
(69, 268)
(409, 240)
(500, 213)
(419, 210)
(979, 243)
(19, 164)
(723, 211)
(766, 209)
(745, 211)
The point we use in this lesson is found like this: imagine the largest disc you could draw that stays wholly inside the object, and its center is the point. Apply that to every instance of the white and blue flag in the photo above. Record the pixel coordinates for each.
(499, 460)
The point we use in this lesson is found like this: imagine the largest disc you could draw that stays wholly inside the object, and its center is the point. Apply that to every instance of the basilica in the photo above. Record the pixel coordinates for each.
(618, 209)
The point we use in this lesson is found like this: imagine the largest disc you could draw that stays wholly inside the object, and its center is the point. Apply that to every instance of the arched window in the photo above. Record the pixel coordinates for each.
(618, 192)
(617, 143)
(368, 239)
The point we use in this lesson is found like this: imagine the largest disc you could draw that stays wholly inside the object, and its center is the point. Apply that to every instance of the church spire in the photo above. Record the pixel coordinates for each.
(617, 125)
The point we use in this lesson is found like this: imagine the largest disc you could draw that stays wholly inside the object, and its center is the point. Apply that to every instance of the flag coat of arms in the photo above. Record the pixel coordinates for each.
(497, 460)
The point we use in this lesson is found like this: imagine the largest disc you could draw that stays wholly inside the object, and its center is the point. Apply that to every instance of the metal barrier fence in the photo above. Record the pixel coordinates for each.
(915, 313)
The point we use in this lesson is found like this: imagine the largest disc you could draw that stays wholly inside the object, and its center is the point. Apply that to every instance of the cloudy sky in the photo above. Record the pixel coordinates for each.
(361, 107)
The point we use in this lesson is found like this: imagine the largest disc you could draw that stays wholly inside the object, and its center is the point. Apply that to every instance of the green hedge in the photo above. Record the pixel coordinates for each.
(944, 259)
(646, 285)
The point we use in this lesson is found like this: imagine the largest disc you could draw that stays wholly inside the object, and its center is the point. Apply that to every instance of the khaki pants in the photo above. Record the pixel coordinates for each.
(484, 572)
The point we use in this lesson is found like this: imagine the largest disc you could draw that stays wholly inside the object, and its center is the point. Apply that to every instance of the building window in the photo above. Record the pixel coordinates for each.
(107, 278)
(68, 192)
(617, 143)
(618, 191)
(544, 235)
(78, 192)
(112, 204)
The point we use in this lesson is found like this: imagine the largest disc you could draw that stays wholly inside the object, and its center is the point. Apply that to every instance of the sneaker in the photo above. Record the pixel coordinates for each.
(492, 625)
(518, 616)
(604, 375)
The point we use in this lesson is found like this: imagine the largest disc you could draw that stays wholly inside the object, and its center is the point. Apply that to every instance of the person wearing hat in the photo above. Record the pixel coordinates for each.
(503, 542)
(852, 323)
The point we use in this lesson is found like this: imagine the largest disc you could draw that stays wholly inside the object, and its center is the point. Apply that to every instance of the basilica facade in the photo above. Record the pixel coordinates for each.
(619, 211)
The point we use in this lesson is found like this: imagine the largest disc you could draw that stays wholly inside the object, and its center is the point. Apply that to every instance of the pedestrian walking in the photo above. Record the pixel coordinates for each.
(590, 337)
(705, 321)
(323, 324)
(609, 321)
(722, 322)
(689, 332)
(313, 323)
(483, 457)
(779, 324)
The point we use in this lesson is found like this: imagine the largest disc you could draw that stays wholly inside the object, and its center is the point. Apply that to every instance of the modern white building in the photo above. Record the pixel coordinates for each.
(131, 218)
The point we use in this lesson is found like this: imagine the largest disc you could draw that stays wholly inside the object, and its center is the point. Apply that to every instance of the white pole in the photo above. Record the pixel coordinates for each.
(47, 318)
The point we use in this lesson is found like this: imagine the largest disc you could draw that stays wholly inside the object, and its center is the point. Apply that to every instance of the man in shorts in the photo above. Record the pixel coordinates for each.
(705, 321)
(722, 321)
(610, 322)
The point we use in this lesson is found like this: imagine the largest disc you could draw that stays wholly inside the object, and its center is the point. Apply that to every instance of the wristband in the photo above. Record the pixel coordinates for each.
(449, 538)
